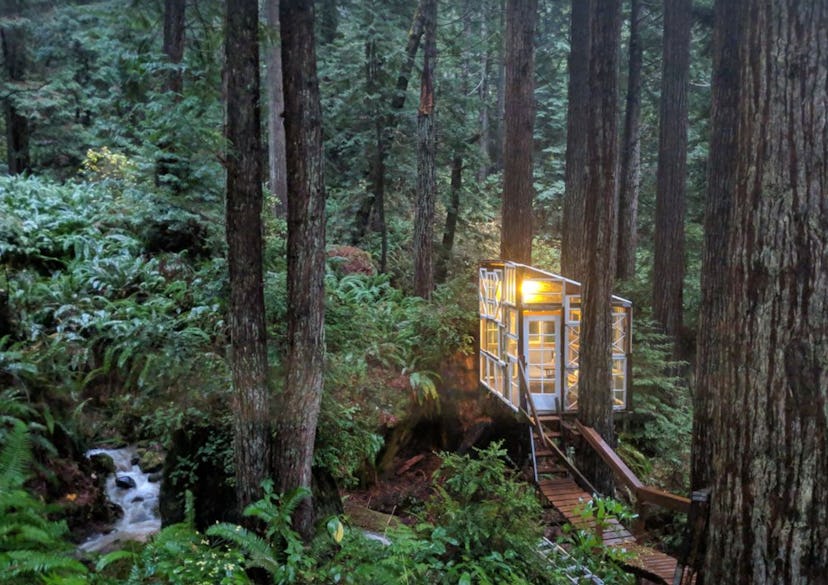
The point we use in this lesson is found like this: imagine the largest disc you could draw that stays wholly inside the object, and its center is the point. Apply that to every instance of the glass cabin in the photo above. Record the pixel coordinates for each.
(530, 313)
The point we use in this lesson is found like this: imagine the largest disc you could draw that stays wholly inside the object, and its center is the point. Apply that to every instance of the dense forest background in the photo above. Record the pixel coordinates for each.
(118, 309)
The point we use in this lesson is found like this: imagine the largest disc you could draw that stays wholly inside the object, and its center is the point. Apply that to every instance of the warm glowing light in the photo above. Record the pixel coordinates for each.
(540, 291)
(529, 288)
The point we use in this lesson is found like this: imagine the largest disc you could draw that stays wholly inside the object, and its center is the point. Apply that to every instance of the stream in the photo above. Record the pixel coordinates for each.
(129, 488)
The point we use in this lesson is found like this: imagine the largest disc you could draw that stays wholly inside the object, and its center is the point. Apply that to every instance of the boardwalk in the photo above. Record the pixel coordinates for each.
(566, 496)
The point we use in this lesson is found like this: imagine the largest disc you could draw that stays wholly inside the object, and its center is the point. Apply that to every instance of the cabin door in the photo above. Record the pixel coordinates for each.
(541, 338)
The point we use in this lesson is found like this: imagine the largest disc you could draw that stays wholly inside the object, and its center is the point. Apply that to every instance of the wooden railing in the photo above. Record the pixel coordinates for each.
(536, 423)
(642, 492)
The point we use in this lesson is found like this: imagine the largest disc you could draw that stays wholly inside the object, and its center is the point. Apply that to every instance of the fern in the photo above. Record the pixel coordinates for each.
(281, 552)
(31, 545)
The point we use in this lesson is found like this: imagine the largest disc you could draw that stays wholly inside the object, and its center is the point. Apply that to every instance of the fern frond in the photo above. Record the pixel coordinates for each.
(260, 553)
(15, 457)
(29, 562)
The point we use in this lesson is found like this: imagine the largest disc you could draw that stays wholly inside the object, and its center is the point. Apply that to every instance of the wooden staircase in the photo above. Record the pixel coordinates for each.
(564, 488)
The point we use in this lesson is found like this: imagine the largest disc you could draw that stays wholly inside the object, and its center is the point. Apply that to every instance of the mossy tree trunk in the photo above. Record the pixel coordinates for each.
(426, 159)
(277, 179)
(768, 335)
(297, 406)
(630, 176)
(573, 244)
(595, 381)
(251, 414)
(519, 122)
(668, 262)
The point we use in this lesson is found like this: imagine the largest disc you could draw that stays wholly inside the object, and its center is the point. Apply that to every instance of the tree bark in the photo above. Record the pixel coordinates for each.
(721, 183)
(519, 122)
(595, 379)
(768, 452)
(380, 151)
(17, 125)
(668, 264)
(573, 245)
(174, 34)
(452, 215)
(328, 21)
(630, 155)
(277, 174)
(251, 415)
(389, 123)
(483, 96)
(426, 160)
(299, 400)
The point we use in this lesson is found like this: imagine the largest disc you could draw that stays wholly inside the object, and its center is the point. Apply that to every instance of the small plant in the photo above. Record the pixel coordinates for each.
(280, 552)
(32, 547)
(585, 542)
(178, 555)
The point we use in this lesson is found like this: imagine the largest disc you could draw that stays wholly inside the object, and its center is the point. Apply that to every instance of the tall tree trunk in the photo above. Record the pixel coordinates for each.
(630, 155)
(174, 31)
(299, 401)
(171, 168)
(452, 215)
(497, 129)
(251, 414)
(721, 183)
(328, 21)
(389, 122)
(768, 451)
(380, 150)
(668, 265)
(276, 172)
(595, 380)
(519, 123)
(426, 160)
(573, 243)
(483, 96)
(17, 125)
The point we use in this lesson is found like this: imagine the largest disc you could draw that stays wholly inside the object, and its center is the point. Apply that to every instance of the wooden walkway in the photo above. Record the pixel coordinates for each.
(566, 497)
(556, 479)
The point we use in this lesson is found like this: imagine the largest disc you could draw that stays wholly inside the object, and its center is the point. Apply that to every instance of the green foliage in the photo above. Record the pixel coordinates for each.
(93, 309)
(32, 548)
(345, 440)
(586, 545)
(481, 504)
(662, 427)
(280, 551)
(178, 555)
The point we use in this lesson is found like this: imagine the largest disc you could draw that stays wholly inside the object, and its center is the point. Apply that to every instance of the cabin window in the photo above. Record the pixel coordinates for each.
(510, 286)
(542, 291)
(489, 293)
(490, 337)
(511, 332)
(619, 382)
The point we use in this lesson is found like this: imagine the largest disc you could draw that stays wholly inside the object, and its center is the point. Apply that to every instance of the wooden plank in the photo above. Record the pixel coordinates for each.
(663, 499)
(611, 458)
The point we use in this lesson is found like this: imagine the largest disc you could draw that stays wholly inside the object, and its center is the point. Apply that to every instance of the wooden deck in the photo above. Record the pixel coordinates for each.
(566, 496)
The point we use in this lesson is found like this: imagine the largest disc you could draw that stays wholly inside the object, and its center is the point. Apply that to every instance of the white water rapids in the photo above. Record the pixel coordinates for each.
(139, 503)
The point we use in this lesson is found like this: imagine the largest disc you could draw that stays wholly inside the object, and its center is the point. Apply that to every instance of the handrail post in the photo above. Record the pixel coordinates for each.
(695, 542)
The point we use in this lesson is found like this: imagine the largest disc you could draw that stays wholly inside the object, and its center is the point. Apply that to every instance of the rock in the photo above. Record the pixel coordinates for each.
(125, 482)
(102, 464)
(151, 461)
(137, 500)
(155, 477)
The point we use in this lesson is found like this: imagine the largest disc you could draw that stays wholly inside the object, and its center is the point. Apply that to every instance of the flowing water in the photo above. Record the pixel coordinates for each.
(140, 503)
